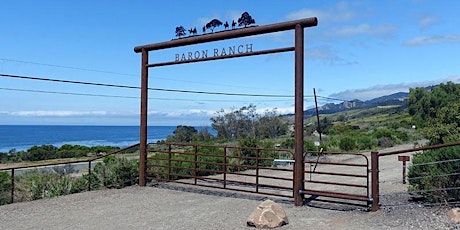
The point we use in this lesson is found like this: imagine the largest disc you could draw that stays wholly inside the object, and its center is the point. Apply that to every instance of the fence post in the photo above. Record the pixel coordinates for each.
(196, 164)
(89, 175)
(225, 167)
(299, 165)
(257, 170)
(12, 185)
(375, 181)
(169, 162)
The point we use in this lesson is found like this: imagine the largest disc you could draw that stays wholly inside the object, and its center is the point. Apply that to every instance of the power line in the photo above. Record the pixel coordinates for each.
(118, 96)
(136, 87)
(155, 89)
(66, 67)
(118, 73)
(66, 93)
(331, 98)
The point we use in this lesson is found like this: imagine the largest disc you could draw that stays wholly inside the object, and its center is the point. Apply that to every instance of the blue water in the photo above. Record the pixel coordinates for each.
(22, 137)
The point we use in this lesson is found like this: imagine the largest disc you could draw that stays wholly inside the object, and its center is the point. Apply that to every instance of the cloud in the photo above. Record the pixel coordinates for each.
(183, 113)
(61, 113)
(338, 12)
(325, 53)
(427, 21)
(382, 31)
(381, 90)
(279, 110)
(433, 39)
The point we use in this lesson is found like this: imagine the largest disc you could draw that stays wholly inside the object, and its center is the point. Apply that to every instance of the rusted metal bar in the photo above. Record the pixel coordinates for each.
(375, 181)
(336, 195)
(420, 149)
(404, 159)
(67, 162)
(276, 178)
(12, 185)
(257, 170)
(169, 161)
(89, 175)
(239, 190)
(338, 163)
(251, 184)
(299, 166)
(262, 52)
(336, 202)
(317, 118)
(338, 174)
(195, 159)
(225, 167)
(238, 33)
(337, 183)
(143, 118)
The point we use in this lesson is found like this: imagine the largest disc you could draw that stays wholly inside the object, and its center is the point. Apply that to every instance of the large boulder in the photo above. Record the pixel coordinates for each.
(454, 215)
(268, 215)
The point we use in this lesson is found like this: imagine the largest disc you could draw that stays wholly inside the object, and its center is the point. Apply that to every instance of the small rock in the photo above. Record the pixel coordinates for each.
(268, 215)
(454, 215)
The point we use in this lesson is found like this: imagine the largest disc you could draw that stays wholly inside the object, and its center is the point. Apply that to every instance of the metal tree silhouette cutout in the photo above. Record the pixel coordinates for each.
(246, 20)
(180, 31)
(213, 24)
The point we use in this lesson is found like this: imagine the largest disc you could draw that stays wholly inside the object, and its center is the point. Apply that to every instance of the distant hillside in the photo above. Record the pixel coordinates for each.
(392, 99)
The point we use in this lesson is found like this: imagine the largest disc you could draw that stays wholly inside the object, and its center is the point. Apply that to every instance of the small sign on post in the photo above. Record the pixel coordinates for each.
(404, 159)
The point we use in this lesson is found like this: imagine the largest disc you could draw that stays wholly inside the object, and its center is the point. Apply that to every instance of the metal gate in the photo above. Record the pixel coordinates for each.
(250, 170)
(341, 178)
(338, 178)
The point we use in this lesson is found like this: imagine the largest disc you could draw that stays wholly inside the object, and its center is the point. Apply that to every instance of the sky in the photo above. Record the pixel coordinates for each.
(360, 50)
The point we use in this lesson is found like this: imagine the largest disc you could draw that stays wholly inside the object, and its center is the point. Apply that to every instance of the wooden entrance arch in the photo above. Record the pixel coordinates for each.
(297, 25)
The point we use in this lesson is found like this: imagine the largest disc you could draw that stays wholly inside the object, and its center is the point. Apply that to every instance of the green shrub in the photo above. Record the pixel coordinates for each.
(116, 172)
(5, 188)
(309, 146)
(365, 142)
(435, 174)
(347, 144)
(35, 184)
(385, 142)
(288, 143)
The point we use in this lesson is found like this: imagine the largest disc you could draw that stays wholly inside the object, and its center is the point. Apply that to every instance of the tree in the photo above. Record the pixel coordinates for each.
(437, 111)
(183, 133)
(271, 125)
(237, 123)
(203, 135)
(44, 152)
(213, 24)
(180, 31)
(246, 20)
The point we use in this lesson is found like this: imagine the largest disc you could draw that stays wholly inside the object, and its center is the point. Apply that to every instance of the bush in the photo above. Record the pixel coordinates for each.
(366, 142)
(385, 142)
(247, 145)
(288, 143)
(347, 144)
(434, 174)
(5, 188)
(35, 184)
(116, 172)
(309, 146)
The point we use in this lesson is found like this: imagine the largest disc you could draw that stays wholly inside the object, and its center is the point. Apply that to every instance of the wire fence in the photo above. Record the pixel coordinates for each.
(25, 183)
(432, 178)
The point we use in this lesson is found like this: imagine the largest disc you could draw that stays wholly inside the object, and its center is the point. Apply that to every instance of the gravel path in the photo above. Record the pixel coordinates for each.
(165, 207)
(173, 206)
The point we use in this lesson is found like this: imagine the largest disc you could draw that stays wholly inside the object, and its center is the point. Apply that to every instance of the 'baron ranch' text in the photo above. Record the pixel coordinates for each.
(231, 50)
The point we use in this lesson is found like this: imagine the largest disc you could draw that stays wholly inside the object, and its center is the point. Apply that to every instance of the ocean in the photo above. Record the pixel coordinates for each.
(23, 137)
